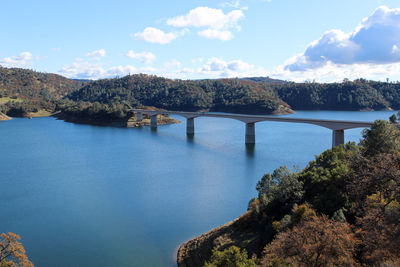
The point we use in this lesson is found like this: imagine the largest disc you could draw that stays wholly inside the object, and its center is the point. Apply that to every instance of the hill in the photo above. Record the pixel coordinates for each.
(357, 95)
(223, 95)
(23, 91)
(264, 80)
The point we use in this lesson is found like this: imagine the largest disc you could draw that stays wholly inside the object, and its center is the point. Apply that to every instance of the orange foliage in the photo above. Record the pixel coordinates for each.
(315, 241)
(12, 252)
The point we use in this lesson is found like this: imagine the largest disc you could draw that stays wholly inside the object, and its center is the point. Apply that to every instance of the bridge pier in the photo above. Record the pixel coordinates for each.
(153, 121)
(250, 133)
(139, 116)
(189, 126)
(337, 137)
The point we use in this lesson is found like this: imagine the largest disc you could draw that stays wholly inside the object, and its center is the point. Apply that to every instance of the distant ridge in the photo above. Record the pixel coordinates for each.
(264, 80)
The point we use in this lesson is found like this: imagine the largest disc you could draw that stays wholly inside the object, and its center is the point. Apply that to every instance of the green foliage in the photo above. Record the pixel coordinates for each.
(95, 111)
(280, 191)
(339, 216)
(357, 95)
(227, 95)
(325, 179)
(393, 119)
(230, 257)
(383, 137)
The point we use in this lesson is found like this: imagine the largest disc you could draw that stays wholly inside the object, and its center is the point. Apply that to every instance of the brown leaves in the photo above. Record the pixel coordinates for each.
(12, 252)
(317, 241)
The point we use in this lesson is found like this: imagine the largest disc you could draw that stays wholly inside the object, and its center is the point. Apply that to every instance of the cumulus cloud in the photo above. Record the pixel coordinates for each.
(24, 59)
(97, 54)
(84, 70)
(216, 22)
(207, 17)
(234, 68)
(216, 34)
(332, 72)
(144, 57)
(375, 41)
(172, 65)
(154, 35)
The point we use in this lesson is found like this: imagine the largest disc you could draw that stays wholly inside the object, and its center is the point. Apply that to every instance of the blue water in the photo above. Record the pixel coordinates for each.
(82, 195)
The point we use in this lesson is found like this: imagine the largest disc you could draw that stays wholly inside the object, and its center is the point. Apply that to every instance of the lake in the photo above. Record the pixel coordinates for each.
(82, 195)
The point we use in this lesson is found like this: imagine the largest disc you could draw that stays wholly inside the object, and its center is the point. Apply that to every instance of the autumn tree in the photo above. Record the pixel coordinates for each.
(12, 252)
(379, 232)
(316, 241)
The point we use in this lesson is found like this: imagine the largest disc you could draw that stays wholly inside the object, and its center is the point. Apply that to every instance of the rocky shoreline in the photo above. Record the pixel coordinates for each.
(241, 232)
(4, 117)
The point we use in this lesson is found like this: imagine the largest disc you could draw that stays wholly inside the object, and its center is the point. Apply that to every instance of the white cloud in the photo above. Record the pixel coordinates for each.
(24, 59)
(154, 35)
(85, 70)
(218, 67)
(172, 65)
(144, 57)
(224, 35)
(374, 41)
(207, 17)
(97, 54)
(232, 3)
(120, 71)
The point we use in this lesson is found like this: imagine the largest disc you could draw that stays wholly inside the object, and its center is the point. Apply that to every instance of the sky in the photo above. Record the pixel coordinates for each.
(309, 40)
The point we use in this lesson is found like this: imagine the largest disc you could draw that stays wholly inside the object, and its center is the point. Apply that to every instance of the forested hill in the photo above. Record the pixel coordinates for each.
(23, 90)
(29, 84)
(357, 95)
(264, 80)
(225, 95)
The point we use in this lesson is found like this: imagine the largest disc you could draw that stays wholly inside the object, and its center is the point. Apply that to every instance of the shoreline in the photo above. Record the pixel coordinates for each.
(4, 117)
(130, 123)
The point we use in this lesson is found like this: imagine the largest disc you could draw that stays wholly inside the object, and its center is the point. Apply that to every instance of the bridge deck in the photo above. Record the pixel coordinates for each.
(330, 124)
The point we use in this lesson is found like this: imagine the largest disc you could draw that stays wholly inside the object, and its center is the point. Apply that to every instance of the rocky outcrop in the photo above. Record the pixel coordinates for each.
(243, 232)
(4, 117)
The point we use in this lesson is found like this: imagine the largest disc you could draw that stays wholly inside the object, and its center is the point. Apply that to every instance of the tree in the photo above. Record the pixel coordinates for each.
(325, 179)
(12, 252)
(280, 191)
(383, 137)
(393, 119)
(379, 232)
(230, 257)
(316, 241)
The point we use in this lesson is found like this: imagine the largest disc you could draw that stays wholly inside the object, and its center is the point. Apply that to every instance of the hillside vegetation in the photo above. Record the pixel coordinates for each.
(225, 95)
(357, 95)
(23, 91)
(343, 209)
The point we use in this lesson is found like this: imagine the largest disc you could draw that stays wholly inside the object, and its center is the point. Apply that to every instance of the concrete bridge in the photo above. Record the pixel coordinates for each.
(337, 126)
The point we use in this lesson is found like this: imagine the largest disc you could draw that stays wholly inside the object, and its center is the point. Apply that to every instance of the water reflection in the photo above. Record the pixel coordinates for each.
(190, 138)
(250, 150)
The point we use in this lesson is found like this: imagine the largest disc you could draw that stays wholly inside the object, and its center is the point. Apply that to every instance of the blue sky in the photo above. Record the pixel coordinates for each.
(288, 39)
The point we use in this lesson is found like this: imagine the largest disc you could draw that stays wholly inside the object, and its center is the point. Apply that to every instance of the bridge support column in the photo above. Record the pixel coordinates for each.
(153, 121)
(139, 116)
(250, 133)
(190, 126)
(337, 137)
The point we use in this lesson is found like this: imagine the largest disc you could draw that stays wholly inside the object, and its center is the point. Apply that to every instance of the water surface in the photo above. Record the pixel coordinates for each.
(82, 195)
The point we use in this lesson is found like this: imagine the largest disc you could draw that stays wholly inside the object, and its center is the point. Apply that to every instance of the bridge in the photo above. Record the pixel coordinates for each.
(337, 126)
